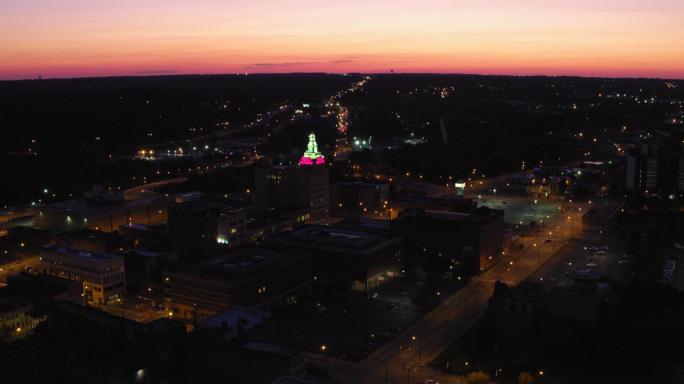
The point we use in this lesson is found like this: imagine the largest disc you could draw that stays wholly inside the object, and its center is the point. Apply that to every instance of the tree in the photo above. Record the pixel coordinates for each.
(478, 377)
(525, 378)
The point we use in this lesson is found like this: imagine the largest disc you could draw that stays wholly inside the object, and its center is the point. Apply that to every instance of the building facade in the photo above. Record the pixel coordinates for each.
(102, 275)
(106, 214)
(471, 240)
(656, 169)
(247, 277)
(345, 257)
(204, 227)
(284, 188)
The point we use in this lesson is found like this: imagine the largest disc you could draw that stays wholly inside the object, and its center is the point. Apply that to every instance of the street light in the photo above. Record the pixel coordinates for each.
(414, 338)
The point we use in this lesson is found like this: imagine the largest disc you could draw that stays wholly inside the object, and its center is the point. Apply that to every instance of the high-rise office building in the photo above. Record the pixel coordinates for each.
(656, 169)
(205, 226)
(290, 188)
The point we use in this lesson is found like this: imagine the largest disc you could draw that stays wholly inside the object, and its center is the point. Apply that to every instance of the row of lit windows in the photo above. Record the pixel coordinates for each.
(82, 267)
(18, 322)
(81, 276)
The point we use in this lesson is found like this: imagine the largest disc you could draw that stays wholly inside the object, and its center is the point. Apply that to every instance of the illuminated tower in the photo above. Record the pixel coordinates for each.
(295, 187)
(312, 156)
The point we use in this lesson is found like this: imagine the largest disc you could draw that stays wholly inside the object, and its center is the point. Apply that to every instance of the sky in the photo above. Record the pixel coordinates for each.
(77, 38)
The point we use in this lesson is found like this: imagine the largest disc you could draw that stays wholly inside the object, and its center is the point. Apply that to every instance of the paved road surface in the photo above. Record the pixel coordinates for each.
(407, 356)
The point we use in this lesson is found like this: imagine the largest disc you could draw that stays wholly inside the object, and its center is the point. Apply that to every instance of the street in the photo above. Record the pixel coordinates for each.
(405, 359)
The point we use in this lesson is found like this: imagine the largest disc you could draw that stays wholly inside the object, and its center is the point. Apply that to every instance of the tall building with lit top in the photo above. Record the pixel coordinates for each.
(302, 189)
(311, 155)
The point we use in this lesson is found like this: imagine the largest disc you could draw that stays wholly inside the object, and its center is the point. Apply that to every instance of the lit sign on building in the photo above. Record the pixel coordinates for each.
(460, 187)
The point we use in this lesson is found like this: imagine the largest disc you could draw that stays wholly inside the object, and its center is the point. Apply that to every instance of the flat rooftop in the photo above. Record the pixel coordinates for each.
(446, 215)
(340, 238)
(358, 183)
(479, 216)
(83, 207)
(144, 253)
(234, 266)
(247, 317)
(290, 380)
(81, 254)
(379, 225)
(276, 349)
(92, 314)
(136, 226)
(89, 234)
(266, 221)
(218, 203)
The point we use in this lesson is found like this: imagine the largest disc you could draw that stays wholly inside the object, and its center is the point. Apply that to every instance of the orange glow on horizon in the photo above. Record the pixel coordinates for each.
(75, 38)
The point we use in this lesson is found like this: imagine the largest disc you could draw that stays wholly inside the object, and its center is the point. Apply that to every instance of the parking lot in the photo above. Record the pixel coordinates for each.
(607, 258)
(520, 209)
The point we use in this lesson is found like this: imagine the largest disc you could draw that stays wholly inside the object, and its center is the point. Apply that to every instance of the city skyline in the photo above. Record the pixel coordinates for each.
(82, 39)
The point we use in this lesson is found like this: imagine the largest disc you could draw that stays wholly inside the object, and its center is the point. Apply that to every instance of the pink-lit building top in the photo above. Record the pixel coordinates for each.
(311, 155)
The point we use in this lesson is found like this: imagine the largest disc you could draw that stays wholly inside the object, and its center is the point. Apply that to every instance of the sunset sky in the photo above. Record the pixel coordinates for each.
(74, 38)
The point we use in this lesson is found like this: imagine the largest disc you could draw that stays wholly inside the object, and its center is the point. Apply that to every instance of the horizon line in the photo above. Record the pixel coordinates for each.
(139, 75)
